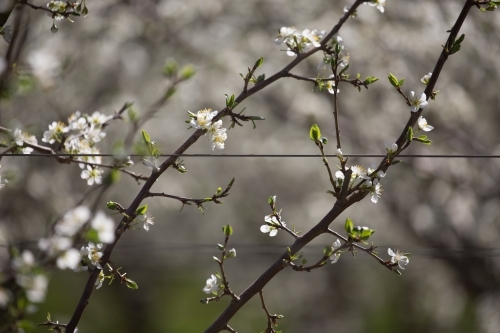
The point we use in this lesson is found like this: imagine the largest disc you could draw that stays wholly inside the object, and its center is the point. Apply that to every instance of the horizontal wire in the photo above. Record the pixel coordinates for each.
(256, 155)
(431, 252)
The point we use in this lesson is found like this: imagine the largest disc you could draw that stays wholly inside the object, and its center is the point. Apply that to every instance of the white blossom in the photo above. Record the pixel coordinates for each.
(398, 257)
(97, 119)
(69, 259)
(339, 154)
(92, 175)
(422, 124)
(376, 192)
(273, 226)
(372, 168)
(218, 139)
(104, 226)
(55, 244)
(211, 285)
(93, 253)
(425, 79)
(330, 85)
(416, 102)
(203, 118)
(336, 256)
(72, 221)
(284, 34)
(314, 38)
(147, 219)
(380, 4)
(359, 172)
(24, 262)
(55, 132)
(100, 280)
(232, 253)
(391, 148)
(35, 286)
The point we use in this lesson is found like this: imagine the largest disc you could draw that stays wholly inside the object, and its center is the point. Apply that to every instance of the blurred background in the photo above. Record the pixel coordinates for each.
(445, 212)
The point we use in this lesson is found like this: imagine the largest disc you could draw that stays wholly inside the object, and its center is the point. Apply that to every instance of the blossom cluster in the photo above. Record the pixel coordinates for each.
(214, 130)
(299, 41)
(28, 277)
(87, 131)
(20, 138)
(60, 244)
(370, 177)
(60, 8)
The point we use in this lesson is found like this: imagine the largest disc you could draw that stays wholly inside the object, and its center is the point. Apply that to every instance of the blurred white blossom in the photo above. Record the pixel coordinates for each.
(69, 259)
(104, 226)
(72, 221)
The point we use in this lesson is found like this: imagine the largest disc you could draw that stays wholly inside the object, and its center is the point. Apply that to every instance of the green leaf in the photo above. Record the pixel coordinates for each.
(92, 236)
(393, 80)
(141, 210)
(228, 230)
(400, 82)
(259, 62)
(348, 225)
(111, 205)
(271, 200)
(370, 80)
(409, 134)
(187, 72)
(230, 101)
(315, 133)
(170, 68)
(131, 284)
(146, 138)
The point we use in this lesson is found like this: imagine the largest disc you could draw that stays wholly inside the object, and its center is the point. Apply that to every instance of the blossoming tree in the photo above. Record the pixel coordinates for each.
(84, 237)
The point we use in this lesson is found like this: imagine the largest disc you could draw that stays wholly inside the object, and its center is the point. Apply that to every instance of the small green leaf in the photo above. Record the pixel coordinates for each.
(187, 72)
(400, 82)
(271, 200)
(327, 251)
(170, 68)
(315, 133)
(393, 80)
(131, 284)
(370, 80)
(141, 210)
(111, 205)
(409, 134)
(227, 230)
(259, 62)
(348, 225)
(146, 138)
